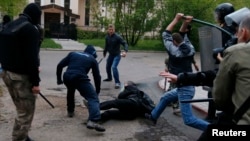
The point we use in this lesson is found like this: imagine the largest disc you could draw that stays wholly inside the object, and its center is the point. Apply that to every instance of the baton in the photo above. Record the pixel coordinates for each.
(209, 24)
(100, 61)
(46, 100)
(165, 84)
(197, 100)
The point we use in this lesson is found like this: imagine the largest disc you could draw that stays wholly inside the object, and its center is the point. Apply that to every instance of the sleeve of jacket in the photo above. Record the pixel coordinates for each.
(224, 83)
(204, 78)
(123, 43)
(64, 62)
(129, 90)
(31, 36)
(97, 76)
(167, 40)
(124, 94)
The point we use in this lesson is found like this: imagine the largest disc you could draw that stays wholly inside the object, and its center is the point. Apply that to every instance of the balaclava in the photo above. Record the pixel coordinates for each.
(34, 12)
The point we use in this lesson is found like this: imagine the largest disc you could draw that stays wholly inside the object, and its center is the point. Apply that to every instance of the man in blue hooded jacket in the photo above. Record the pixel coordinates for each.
(76, 78)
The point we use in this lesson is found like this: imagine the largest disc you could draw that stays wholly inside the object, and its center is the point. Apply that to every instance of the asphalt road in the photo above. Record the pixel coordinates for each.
(52, 124)
(142, 68)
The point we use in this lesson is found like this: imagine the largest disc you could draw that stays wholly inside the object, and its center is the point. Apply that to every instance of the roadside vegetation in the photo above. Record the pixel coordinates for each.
(145, 44)
(149, 44)
(49, 43)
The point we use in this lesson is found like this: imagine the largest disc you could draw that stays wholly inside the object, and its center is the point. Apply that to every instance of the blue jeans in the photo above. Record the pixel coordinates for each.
(112, 63)
(86, 89)
(182, 93)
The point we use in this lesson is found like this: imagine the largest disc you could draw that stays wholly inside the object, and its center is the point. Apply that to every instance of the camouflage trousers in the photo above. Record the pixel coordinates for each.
(19, 88)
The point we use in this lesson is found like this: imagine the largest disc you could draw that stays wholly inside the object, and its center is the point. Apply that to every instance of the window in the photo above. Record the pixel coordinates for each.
(87, 12)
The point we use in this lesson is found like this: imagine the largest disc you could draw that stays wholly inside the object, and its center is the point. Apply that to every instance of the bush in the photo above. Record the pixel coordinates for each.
(81, 34)
(150, 45)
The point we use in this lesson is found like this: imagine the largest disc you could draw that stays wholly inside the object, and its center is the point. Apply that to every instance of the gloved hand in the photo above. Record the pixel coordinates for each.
(59, 82)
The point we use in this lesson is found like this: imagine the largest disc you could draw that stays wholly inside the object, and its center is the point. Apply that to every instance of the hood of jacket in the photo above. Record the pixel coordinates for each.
(33, 12)
(90, 50)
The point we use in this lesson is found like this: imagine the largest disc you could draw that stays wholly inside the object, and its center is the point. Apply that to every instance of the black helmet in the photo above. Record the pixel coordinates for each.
(222, 10)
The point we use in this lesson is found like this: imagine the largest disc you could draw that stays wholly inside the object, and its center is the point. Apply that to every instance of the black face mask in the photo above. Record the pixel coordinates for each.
(33, 11)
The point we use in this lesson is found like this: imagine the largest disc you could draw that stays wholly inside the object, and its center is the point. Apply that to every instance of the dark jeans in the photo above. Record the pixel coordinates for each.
(125, 109)
(112, 64)
(86, 90)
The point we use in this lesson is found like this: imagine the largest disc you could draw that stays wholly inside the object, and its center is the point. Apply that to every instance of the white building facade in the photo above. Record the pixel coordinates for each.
(65, 11)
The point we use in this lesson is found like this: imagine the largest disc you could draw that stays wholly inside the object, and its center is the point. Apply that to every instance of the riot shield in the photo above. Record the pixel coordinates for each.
(209, 38)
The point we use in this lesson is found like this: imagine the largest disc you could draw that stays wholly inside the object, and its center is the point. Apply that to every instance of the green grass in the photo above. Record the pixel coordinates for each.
(94, 42)
(49, 43)
(150, 45)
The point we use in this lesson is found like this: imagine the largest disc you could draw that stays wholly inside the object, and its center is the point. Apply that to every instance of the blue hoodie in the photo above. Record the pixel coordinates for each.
(78, 66)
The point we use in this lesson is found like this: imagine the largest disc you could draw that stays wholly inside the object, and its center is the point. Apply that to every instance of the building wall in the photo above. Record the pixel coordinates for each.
(81, 6)
(77, 7)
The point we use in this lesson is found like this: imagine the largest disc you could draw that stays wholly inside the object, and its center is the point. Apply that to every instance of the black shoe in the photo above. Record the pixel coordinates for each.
(149, 117)
(107, 80)
(29, 139)
(95, 125)
(71, 114)
(210, 120)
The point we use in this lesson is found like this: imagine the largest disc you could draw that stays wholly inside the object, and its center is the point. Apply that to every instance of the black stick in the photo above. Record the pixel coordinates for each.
(212, 25)
(197, 100)
(100, 61)
(46, 100)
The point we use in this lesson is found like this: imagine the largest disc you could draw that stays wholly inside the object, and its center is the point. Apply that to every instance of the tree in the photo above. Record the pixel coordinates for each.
(200, 9)
(12, 7)
(132, 18)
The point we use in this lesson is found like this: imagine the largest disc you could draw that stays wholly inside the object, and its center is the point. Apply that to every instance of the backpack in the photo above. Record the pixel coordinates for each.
(8, 41)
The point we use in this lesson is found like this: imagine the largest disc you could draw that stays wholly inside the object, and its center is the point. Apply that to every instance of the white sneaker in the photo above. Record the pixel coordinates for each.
(94, 125)
(117, 85)
(176, 111)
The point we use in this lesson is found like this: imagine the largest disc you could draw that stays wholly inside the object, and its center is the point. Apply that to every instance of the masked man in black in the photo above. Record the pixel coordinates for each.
(19, 57)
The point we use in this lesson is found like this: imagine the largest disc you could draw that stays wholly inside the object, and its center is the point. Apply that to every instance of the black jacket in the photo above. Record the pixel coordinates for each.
(138, 96)
(112, 44)
(204, 78)
(19, 45)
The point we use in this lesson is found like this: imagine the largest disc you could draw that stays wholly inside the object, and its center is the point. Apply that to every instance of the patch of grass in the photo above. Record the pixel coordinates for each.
(150, 45)
(49, 43)
(94, 42)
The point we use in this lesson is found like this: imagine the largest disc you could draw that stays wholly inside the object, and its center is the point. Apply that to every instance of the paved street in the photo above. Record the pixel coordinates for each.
(142, 68)
(54, 125)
